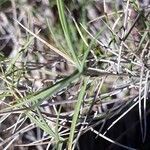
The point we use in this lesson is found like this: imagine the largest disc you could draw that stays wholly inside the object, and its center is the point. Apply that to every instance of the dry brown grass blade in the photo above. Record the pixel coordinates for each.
(47, 44)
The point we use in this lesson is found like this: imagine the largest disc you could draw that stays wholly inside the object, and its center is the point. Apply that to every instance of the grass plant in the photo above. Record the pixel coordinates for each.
(66, 66)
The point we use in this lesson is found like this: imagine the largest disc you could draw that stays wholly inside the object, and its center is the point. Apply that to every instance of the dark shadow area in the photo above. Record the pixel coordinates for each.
(127, 131)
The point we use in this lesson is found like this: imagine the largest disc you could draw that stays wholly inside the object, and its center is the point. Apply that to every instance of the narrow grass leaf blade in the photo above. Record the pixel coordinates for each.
(76, 114)
(60, 5)
(39, 97)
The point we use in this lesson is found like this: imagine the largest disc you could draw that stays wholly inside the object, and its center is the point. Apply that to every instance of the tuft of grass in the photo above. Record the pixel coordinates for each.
(67, 64)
